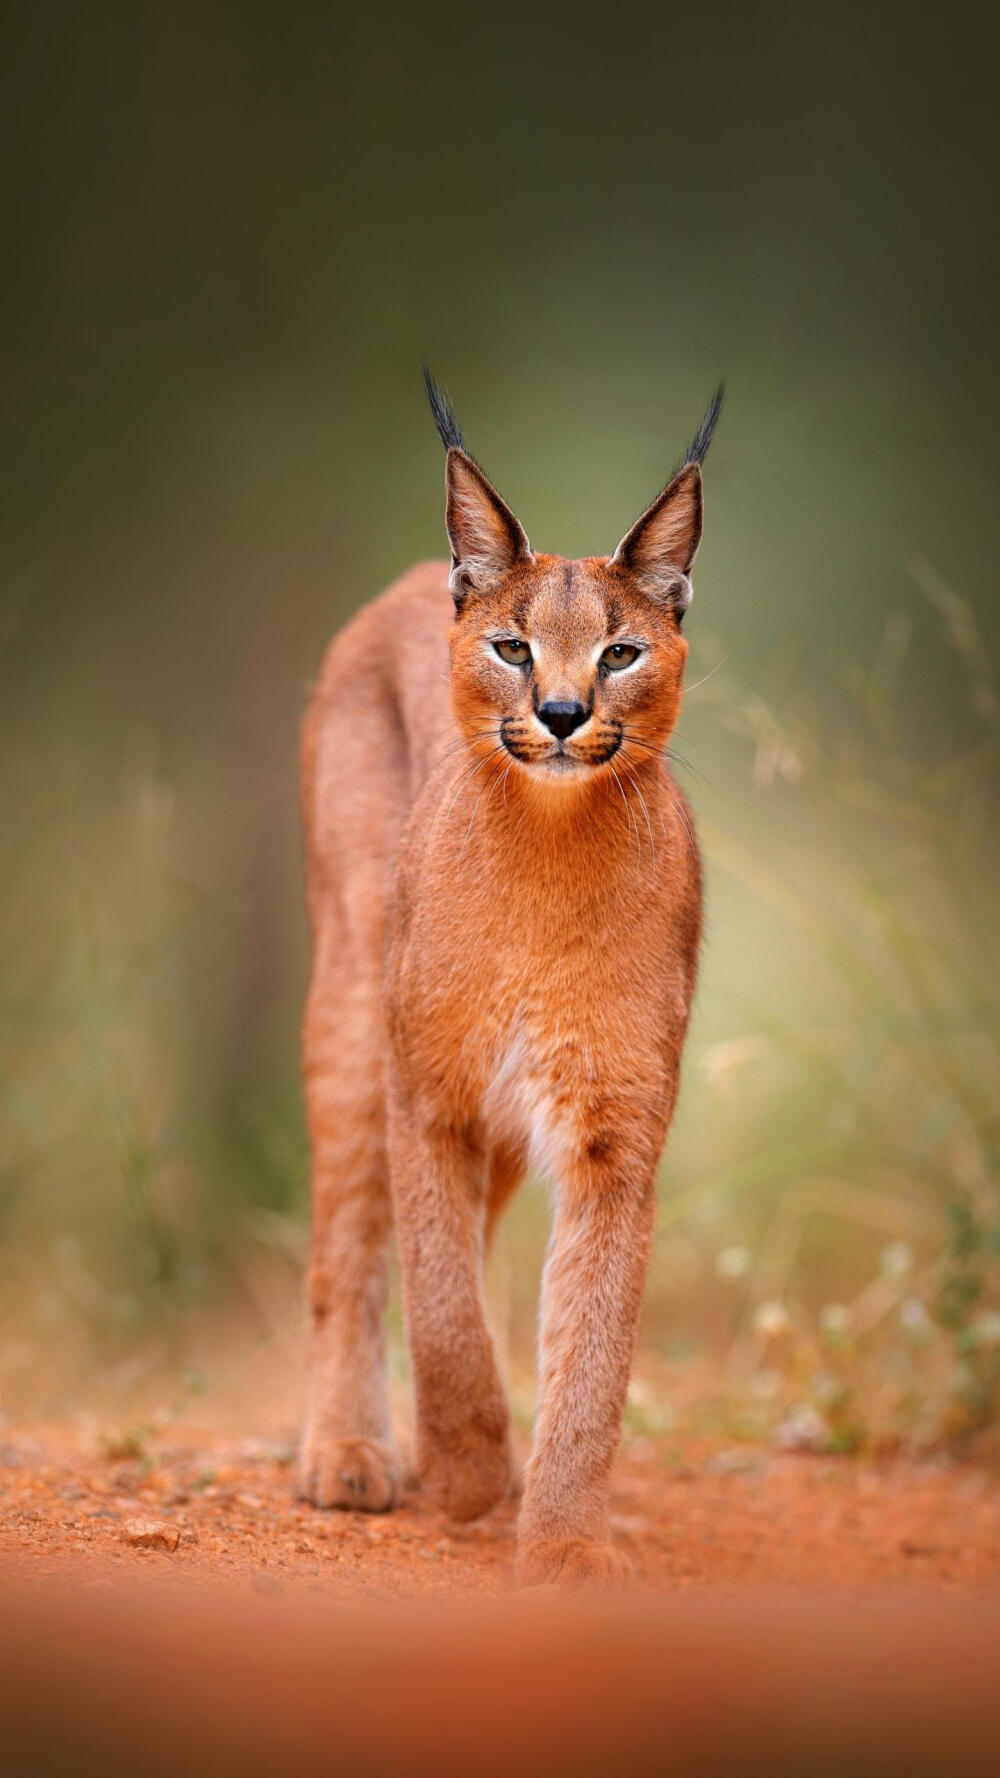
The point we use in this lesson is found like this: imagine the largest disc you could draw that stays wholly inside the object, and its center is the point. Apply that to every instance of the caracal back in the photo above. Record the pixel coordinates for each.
(378, 718)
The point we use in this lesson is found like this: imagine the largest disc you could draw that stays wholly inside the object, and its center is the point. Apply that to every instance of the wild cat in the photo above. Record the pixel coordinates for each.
(505, 899)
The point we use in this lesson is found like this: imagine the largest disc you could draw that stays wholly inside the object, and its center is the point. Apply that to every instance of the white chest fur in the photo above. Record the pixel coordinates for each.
(524, 1109)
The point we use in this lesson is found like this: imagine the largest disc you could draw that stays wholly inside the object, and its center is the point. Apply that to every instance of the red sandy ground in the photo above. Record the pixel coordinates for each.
(791, 1614)
(700, 1517)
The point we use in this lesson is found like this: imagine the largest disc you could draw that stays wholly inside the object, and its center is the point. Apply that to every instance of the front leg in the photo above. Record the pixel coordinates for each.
(591, 1293)
(463, 1445)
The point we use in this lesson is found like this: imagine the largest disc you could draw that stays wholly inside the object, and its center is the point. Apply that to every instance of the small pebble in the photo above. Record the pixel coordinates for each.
(151, 1534)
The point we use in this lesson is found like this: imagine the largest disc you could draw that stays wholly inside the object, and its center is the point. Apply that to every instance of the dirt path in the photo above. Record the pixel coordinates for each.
(700, 1517)
(792, 1614)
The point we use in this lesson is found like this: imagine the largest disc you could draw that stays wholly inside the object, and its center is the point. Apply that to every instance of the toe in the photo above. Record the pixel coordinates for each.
(356, 1475)
(572, 1562)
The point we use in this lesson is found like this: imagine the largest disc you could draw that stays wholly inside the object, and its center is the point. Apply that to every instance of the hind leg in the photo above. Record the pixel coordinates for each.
(505, 1173)
(348, 1456)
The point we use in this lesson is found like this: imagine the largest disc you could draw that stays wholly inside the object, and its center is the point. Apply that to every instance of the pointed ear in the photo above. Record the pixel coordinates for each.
(660, 548)
(486, 539)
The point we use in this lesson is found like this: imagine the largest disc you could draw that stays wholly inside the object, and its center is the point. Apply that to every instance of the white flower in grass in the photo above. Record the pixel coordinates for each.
(897, 1259)
(914, 1317)
(724, 1061)
(771, 1320)
(835, 1321)
(733, 1262)
(827, 1391)
(986, 1328)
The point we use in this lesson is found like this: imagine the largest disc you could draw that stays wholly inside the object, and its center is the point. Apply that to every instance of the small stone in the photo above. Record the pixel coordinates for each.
(151, 1534)
(122, 1445)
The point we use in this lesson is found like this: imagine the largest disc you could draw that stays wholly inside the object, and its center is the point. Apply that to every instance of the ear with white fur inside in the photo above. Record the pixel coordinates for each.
(486, 539)
(661, 546)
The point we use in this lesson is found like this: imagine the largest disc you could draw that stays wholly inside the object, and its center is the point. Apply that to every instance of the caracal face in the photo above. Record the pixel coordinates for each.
(566, 671)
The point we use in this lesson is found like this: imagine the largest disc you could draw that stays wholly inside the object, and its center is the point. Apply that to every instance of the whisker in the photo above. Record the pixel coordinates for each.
(628, 811)
(499, 777)
(668, 752)
(640, 741)
(621, 793)
(708, 675)
(456, 744)
(642, 800)
(677, 800)
(449, 753)
(679, 759)
(630, 734)
(463, 776)
(685, 821)
(479, 799)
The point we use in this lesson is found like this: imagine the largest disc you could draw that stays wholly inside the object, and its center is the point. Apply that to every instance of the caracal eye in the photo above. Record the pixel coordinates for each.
(516, 654)
(620, 654)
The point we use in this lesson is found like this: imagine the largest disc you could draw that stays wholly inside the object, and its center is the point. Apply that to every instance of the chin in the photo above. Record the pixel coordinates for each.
(562, 766)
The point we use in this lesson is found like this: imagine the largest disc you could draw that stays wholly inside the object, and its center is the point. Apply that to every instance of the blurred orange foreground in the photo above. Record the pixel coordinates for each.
(217, 1680)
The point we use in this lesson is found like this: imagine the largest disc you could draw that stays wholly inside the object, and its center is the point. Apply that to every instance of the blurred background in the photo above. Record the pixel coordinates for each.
(232, 233)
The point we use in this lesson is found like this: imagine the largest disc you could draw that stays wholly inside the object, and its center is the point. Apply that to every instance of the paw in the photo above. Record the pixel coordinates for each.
(571, 1562)
(352, 1473)
(468, 1483)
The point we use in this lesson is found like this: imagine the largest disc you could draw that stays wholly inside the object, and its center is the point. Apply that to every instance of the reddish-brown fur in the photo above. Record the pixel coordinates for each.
(505, 933)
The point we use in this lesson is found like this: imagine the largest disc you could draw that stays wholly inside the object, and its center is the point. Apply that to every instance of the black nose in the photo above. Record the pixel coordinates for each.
(561, 719)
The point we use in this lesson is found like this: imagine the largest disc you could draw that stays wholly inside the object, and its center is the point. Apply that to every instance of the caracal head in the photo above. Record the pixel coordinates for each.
(567, 666)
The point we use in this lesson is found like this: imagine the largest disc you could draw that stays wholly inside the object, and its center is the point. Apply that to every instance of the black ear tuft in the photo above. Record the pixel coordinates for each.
(697, 450)
(449, 430)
